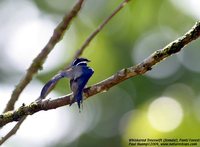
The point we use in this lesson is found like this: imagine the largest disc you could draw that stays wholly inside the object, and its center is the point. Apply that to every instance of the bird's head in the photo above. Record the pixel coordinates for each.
(80, 61)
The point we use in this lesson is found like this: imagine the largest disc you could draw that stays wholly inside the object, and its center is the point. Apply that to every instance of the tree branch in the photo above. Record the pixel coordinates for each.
(39, 60)
(106, 84)
(13, 131)
(99, 28)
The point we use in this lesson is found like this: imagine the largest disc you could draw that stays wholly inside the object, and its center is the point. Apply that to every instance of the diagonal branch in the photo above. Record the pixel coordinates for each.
(39, 60)
(37, 64)
(106, 84)
(12, 131)
(99, 28)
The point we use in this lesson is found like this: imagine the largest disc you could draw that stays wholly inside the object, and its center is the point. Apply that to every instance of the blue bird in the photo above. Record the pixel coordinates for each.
(79, 73)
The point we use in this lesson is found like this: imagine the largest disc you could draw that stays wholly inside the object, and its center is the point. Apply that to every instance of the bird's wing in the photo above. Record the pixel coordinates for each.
(72, 73)
(76, 72)
(50, 85)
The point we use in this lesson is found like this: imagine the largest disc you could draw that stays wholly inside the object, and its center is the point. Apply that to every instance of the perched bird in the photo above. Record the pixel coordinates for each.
(79, 73)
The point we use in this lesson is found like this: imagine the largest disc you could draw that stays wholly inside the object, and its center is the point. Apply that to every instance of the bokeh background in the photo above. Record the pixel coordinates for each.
(164, 103)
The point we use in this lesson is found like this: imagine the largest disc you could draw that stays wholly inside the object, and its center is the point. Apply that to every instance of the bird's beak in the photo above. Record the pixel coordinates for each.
(88, 60)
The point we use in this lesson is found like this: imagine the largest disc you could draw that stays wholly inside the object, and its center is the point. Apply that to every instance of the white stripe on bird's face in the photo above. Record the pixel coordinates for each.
(82, 63)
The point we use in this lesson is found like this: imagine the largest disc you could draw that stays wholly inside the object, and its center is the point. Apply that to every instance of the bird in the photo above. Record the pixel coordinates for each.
(78, 73)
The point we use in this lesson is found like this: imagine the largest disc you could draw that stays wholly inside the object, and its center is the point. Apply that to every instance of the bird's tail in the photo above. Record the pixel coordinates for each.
(78, 97)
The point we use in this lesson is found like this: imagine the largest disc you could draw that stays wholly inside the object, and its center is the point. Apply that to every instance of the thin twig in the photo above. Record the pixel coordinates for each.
(13, 131)
(99, 28)
(39, 60)
(124, 74)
